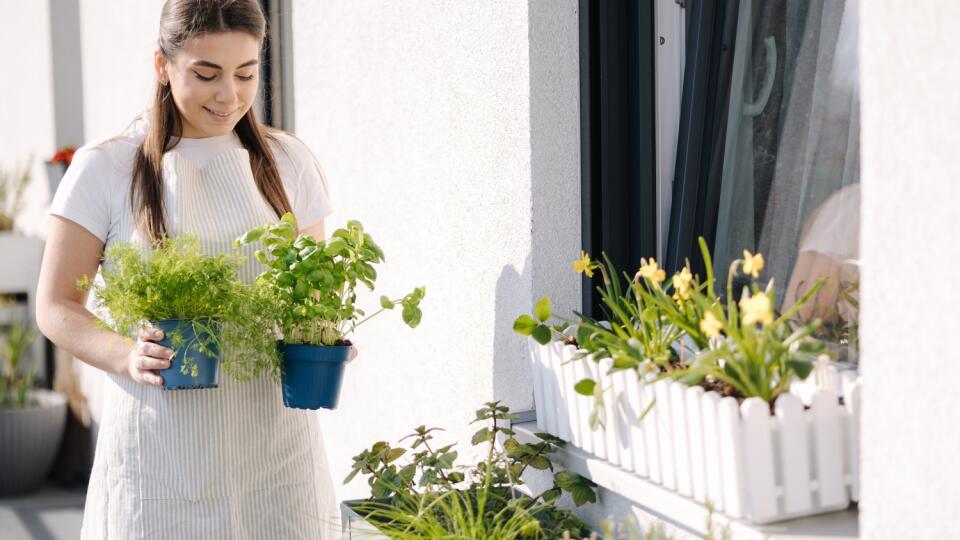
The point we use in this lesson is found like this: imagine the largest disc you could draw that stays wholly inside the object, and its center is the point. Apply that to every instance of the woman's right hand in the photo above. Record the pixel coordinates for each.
(147, 357)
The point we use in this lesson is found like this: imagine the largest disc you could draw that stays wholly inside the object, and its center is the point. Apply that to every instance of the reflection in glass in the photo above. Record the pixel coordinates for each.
(791, 175)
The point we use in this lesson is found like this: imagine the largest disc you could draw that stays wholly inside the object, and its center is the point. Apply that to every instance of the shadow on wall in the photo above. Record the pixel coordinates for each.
(512, 382)
(554, 191)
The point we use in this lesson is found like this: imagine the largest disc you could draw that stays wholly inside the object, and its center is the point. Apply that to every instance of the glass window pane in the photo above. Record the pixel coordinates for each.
(791, 173)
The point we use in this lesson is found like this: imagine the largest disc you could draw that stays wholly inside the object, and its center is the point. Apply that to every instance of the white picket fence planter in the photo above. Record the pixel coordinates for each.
(802, 460)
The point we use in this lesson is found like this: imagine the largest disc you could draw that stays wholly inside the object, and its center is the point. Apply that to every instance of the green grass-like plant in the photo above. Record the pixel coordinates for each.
(313, 282)
(753, 351)
(176, 280)
(14, 383)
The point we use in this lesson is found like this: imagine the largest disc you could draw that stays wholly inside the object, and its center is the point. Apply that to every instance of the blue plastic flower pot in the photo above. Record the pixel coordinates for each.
(207, 359)
(312, 375)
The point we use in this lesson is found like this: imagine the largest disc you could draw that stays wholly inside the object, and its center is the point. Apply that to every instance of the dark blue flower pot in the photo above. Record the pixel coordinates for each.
(312, 375)
(206, 358)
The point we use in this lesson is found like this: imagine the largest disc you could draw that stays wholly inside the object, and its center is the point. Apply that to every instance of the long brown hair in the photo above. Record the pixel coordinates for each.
(179, 21)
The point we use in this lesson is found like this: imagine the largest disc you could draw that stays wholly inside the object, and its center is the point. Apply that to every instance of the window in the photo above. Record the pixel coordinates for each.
(275, 96)
(760, 151)
(769, 148)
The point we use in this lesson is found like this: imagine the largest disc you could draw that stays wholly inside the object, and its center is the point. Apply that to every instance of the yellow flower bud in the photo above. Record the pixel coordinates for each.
(583, 265)
(710, 325)
(681, 284)
(756, 309)
(752, 264)
(650, 271)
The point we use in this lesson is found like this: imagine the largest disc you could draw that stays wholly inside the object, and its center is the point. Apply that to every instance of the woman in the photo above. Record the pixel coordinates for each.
(229, 462)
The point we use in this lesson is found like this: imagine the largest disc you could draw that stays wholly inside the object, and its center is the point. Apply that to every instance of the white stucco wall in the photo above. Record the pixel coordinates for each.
(26, 103)
(451, 132)
(117, 42)
(911, 474)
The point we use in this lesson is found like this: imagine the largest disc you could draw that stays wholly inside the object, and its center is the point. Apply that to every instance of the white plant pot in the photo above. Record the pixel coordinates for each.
(29, 441)
(747, 463)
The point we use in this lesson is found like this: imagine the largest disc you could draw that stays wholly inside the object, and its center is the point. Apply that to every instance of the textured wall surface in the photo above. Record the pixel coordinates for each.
(911, 475)
(26, 104)
(117, 42)
(450, 130)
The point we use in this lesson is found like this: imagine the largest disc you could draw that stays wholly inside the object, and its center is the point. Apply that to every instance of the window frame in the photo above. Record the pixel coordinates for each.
(711, 35)
(618, 135)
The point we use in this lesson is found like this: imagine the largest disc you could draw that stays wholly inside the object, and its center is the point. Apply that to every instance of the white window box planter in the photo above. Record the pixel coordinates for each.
(751, 465)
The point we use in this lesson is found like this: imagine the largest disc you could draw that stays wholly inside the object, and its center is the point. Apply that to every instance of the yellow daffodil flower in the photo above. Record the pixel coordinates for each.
(710, 325)
(652, 272)
(752, 264)
(681, 284)
(583, 265)
(756, 309)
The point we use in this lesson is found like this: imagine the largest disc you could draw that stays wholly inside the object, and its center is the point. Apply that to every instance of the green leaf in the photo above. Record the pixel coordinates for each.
(251, 236)
(482, 436)
(385, 303)
(289, 218)
(351, 476)
(300, 290)
(394, 454)
(524, 325)
(407, 473)
(551, 495)
(542, 309)
(801, 367)
(585, 387)
(566, 480)
(579, 487)
(513, 448)
(541, 334)
(335, 247)
(582, 495)
(549, 438)
(411, 316)
(624, 362)
(540, 463)
(445, 461)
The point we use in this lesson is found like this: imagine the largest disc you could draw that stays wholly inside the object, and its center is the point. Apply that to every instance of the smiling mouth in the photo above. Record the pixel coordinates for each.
(220, 114)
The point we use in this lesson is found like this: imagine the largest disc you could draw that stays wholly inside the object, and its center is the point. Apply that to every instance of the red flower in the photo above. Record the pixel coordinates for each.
(64, 156)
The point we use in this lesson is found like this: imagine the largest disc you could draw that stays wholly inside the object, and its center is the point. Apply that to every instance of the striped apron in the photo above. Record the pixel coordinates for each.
(229, 462)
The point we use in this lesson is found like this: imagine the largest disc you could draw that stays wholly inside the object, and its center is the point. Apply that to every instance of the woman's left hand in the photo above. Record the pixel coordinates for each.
(353, 353)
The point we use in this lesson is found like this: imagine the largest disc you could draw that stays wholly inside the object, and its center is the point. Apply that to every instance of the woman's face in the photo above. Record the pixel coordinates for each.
(213, 78)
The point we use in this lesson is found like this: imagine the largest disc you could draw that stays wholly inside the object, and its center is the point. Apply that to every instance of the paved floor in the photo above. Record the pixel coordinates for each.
(52, 513)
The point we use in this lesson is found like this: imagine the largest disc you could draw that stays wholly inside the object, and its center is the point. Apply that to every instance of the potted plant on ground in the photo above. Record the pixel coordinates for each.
(313, 285)
(197, 300)
(31, 419)
(57, 167)
(430, 496)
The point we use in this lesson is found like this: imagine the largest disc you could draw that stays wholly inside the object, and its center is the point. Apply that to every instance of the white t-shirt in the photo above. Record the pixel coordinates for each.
(95, 191)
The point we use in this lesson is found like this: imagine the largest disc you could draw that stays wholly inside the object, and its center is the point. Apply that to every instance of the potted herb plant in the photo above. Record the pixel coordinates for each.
(427, 495)
(57, 166)
(197, 300)
(32, 420)
(313, 285)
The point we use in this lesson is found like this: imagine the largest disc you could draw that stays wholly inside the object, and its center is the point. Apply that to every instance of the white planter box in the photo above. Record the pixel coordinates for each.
(749, 464)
